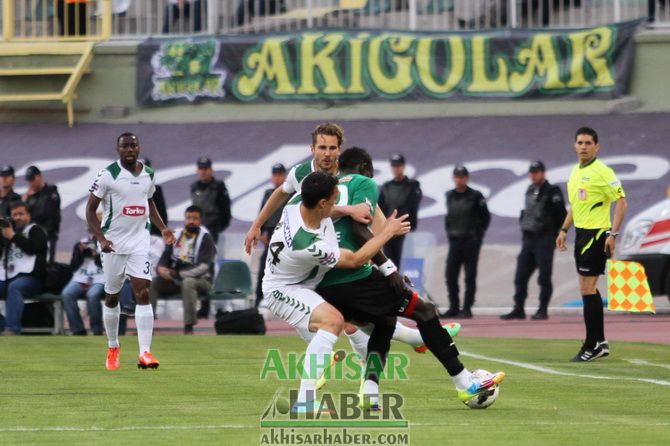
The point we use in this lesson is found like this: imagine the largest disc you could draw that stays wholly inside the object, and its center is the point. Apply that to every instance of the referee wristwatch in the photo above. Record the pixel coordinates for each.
(612, 234)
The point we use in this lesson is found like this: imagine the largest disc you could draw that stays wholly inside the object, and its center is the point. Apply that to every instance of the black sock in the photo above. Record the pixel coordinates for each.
(593, 318)
(440, 343)
(378, 348)
(599, 319)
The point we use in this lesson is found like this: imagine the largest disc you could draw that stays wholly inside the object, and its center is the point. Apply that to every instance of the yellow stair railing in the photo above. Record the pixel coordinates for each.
(17, 49)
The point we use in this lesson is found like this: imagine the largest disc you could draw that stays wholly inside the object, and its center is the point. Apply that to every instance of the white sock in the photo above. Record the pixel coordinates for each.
(110, 317)
(315, 358)
(144, 319)
(371, 391)
(407, 335)
(359, 342)
(463, 380)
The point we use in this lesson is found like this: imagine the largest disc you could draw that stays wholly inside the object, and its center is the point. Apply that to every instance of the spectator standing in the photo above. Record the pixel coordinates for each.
(540, 221)
(7, 194)
(278, 177)
(211, 196)
(188, 267)
(88, 281)
(23, 251)
(184, 13)
(43, 203)
(466, 223)
(404, 195)
(592, 188)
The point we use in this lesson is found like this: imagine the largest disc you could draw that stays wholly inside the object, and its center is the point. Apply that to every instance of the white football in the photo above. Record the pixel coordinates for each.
(487, 398)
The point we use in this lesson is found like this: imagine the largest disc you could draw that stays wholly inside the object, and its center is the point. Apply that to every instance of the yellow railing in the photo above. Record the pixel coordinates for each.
(56, 20)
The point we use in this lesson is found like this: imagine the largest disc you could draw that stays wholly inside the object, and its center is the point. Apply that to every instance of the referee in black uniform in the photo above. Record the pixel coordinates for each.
(540, 222)
(466, 223)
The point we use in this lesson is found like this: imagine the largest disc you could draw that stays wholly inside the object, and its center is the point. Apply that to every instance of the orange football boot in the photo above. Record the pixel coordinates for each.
(147, 361)
(112, 362)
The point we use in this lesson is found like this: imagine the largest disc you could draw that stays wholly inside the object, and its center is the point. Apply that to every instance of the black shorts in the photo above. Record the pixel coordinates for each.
(369, 299)
(590, 257)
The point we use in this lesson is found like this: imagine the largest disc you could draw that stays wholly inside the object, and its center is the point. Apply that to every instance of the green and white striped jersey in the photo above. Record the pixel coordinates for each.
(298, 255)
(125, 205)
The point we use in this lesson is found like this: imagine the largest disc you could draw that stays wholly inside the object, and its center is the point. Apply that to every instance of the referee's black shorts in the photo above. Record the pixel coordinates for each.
(590, 256)
(369, 299)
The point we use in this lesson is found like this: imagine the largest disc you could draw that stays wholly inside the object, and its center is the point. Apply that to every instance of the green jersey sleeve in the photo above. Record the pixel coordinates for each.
(366, 191)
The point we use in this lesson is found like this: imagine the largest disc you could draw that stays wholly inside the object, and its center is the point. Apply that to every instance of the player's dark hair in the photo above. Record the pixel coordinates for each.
(356, 160)
(330, 129)
(316, 187)
(18, 204)
(193, 208)
(587, 131)
(126, 135)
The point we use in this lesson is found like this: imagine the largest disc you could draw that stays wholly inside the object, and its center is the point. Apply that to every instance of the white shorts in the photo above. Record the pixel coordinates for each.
(117, 266)
(294, 304)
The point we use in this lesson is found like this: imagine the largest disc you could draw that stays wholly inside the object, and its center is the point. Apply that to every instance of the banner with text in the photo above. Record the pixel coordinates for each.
(346, 65)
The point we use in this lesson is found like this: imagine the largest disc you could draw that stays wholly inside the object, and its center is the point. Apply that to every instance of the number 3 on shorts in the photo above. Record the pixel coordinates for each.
(148, 267)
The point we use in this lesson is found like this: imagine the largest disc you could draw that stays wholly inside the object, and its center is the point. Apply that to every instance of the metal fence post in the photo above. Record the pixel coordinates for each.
(512, 14)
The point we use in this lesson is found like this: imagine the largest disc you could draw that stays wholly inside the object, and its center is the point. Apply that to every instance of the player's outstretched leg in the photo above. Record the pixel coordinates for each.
(378, 348)
(441, 344)
(328, 323)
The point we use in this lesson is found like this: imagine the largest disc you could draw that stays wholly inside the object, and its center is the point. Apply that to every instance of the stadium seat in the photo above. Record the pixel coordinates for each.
(58, 314)
(233, 282)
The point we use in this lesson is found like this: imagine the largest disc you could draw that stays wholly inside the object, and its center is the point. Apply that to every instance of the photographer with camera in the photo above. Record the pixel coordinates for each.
(87, 281)
(187, 267)
(23, 253)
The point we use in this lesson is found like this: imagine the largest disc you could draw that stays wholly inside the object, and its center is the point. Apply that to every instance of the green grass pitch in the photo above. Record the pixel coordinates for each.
(55, 390)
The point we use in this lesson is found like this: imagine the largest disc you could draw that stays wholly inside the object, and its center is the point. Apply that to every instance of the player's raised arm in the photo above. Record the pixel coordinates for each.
(155, 216)
(278, 199)
(394, 226)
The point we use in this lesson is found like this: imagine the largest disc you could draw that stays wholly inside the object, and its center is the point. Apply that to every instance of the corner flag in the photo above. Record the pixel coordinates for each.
(627, 286)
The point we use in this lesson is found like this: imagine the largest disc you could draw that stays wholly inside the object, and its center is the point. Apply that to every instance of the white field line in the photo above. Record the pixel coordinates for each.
(647, 363)
(549, 371)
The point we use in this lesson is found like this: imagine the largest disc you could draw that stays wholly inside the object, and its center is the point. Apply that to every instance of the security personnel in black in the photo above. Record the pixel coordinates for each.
(540, 222)
(210, 195)
(404, 195)
(43, 203)
(7, 194)
(159, 201)
(466, 223)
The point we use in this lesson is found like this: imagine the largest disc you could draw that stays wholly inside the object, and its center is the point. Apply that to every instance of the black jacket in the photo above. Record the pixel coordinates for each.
(35, 244)
(6, 202)
(78, 257)
(159, 201)
(544, 210)
(404, 195)
(214, 201)
(272, 222)
(44, 208)
(468, 216)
